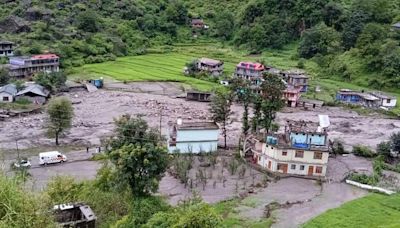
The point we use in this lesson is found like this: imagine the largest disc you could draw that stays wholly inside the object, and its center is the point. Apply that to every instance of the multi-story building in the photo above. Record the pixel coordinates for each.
(296, 78)
(291, 95)
(211, 66)
(6, 48)
(250, 71)
(25, 66)
(300, 150)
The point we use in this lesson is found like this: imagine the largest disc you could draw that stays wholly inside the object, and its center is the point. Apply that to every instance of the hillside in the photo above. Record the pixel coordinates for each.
(349, 41)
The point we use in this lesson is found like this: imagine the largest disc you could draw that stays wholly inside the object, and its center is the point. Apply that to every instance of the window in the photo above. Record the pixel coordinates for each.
(284, 153)
(299, 154)
(302, 167)
(318, 169)
(388, 101)
(5, 99)
(293, 166)
(1, 52)
(317, 155)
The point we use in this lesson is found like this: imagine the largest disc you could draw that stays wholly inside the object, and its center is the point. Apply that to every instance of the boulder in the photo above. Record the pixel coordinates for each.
(14, 24)
(36, 14)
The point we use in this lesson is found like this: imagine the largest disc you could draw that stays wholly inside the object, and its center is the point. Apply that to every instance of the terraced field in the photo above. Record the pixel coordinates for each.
(163, 65)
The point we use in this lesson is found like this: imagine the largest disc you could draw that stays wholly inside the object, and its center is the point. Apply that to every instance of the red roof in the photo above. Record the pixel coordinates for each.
(251, 65)
(45, 56)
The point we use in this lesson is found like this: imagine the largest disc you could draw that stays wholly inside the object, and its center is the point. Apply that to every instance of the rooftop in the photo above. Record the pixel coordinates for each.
(10, 89)
(302, 126)
(198, 126)
(36, 57)
(365, 96)
(397, 25)
(5, 42)
(251, 65)
(284, 143)
(383, 95)
(197, 21)
(211, 62)
(36, 89)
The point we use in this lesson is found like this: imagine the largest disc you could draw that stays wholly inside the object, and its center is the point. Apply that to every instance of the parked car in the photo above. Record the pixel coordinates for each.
(51, 157)
(22, 163)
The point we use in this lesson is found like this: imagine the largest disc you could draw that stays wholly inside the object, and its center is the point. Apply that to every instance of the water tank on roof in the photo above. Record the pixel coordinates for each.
(272, 140)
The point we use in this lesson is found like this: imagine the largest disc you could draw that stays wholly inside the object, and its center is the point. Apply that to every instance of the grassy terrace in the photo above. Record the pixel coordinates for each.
(374, 210)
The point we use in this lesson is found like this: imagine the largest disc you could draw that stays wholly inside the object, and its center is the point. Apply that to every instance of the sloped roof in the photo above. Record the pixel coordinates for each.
(35, 89)
(397, 25)
(251, 65)
(10, 89)
(210, 62)
(5, 42)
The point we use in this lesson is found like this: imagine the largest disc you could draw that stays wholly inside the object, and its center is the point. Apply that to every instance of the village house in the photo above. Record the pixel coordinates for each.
(77, 215)
(197, 23)
(6, 48)
(35, 93)
(386, 101)
(193, 137)
(7, 93)
(25, 66)
(211, 66)
(296, 78)
(396, 26)
(358, 98)
(292, 95)
(250, 71)
(301, 150)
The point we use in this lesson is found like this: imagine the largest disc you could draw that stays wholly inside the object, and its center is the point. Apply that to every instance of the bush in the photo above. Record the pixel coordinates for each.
(338, 148)
(364, 178)
(363, 151)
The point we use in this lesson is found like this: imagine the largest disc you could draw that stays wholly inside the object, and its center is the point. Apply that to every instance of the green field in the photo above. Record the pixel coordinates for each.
(166, 64)
(374, 210)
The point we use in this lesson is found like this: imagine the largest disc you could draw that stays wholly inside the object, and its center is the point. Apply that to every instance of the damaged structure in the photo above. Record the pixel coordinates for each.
(193, 137)
(301, 150)
(76, 215)
(198, 96)
(6, 48)
(369, 100)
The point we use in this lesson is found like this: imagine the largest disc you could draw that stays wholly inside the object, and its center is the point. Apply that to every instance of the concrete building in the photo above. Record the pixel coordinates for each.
(193, 137)
(6, 48)
(26, 66)
(250, 71)
(7, 93)
(198, 23)
(37, 94)
(211, 66)
(291, 95)
(300, 150)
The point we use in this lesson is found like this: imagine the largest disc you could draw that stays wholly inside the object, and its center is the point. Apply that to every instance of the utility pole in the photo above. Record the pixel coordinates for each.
(16, 144)
(159, 106)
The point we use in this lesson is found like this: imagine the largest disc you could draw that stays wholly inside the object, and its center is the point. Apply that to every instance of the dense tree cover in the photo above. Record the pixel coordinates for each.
(138, 157)
(53, 81)
(220, 110)
(4, 77)
(60, 113)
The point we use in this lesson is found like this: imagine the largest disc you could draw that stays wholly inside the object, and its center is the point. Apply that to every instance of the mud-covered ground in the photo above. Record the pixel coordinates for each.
(95, 112)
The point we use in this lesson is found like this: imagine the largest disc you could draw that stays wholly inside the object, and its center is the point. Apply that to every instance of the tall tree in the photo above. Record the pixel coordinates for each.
(139, 158)
(244, 95)
(221, 110)
(52, 81)
(60, 113)
(4, 77)
(256, 120)
(272, 93)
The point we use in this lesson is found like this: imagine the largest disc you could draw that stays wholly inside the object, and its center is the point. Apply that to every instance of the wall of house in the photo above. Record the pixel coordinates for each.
(33, 99)
(391, 103)
(276, 153)
(197, 135)
(194, 147)
(10, 97)
(305, 138)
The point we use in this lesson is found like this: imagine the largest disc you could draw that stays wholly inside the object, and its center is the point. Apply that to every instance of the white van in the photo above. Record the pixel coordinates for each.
(51, 157)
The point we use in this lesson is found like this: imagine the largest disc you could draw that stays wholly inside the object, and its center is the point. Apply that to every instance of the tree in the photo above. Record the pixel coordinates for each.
(139, 158)
(140, 166)
(383, 149)
(244, 95)
(60, 113)
(224, 25)
(136, 131)
(395, 141)
(4, 77)
(192, 213)
(88, 21)
(177, 12)
(319, 40)
(52, 81)
(256, 120)
(332, 13)
(221, 110)
(272, 94)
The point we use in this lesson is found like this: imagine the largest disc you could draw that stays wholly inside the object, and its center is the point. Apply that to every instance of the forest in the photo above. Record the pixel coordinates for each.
(349, 40)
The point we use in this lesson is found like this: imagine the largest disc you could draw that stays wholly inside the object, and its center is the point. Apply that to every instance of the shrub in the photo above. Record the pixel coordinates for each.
(363, 151)
(338, 148)
(364, 178)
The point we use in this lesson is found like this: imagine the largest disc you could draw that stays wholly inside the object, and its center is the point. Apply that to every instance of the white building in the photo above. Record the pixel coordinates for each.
(385, 100)
(299, 151)
(193, 137)
(7, 93)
